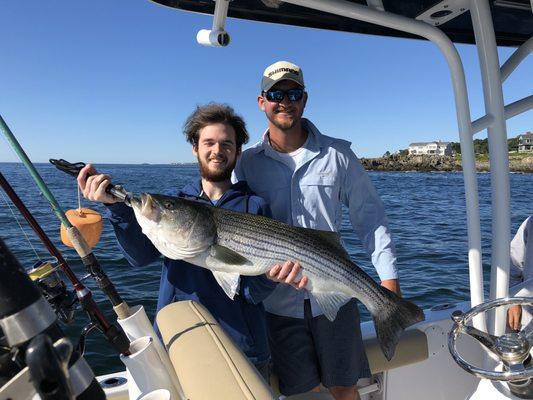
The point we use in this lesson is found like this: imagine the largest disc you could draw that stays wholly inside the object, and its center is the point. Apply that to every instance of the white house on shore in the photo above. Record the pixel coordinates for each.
(525, 142)
(431, 148)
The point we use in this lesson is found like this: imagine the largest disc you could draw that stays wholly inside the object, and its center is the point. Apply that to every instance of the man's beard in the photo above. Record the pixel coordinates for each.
(219, 175)
(285, 125)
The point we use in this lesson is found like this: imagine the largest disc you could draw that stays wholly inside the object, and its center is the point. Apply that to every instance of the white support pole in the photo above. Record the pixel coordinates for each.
(384, 18)
(499, 157)
(482, 123)
(510, 111)
(516, 58)
(220, 14)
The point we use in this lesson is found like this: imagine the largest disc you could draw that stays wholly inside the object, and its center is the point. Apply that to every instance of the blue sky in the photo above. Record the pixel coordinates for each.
(112, 81)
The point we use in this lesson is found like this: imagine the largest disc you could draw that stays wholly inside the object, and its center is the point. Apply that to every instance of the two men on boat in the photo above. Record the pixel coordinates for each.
(216, 134)
(306, 177)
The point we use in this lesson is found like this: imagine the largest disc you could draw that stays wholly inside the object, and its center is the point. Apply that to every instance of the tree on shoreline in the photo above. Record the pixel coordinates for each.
(481, 146)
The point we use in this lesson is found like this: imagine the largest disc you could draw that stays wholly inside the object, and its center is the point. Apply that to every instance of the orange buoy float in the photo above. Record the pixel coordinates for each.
(88, 222)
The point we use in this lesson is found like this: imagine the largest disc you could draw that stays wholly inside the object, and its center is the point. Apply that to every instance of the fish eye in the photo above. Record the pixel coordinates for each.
(168, 204)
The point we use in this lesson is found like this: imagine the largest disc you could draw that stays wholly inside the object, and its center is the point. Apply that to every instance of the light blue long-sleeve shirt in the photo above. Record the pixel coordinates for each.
(522, 253)
(311, 196)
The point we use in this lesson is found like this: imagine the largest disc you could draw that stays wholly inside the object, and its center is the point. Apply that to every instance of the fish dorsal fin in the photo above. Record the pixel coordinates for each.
(330, 302)
(333, 239)
(228, 281)
(227, 256)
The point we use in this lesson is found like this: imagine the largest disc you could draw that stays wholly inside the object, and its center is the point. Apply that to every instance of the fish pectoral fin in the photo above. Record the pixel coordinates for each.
(227, 256)
(228, 281)
(330, 302)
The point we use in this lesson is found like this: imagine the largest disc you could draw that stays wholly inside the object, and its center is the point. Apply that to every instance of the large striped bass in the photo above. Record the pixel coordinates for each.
(232, 244)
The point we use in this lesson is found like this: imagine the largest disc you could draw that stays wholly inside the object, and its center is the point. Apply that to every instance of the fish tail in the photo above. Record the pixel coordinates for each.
(391, 317)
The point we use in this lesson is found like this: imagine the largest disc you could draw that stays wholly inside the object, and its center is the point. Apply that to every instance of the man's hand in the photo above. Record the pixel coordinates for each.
(393, 285)
(288, 273)
(94, 186)
(514, 317)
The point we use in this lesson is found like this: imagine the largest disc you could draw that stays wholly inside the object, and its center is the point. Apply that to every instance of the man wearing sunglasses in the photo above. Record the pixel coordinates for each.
(306, 177)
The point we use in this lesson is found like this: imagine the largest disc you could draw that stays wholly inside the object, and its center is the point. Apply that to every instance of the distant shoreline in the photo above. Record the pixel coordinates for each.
(392, 163)
(518, 162)
(186, 164)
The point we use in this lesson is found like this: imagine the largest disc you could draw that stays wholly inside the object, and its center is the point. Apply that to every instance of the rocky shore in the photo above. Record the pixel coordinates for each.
(424, 163)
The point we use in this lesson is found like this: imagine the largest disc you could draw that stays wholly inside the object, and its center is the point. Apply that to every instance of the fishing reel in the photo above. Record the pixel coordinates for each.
(63, 301)
(511, 349)
(10, 365)
(46, 363)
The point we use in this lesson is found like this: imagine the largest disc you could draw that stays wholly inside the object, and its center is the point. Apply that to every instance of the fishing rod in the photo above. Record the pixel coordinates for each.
(50, 378)
(80, 245)
(134, 322)
(137, 326)
(36, 340)
(114, 335)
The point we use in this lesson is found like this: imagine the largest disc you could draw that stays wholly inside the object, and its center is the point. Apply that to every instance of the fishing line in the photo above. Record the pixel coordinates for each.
(15, 216)
(114, 335)
(20, 226)
(82, 248)
(79, 199)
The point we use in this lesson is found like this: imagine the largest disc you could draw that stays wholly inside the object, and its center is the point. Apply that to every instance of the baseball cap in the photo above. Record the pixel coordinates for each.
(280, 71)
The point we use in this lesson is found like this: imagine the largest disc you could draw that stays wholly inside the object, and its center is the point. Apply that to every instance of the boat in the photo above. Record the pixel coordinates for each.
(460, 351)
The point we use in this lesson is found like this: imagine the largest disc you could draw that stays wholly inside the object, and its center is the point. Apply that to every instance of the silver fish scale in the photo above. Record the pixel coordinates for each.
(258, 237)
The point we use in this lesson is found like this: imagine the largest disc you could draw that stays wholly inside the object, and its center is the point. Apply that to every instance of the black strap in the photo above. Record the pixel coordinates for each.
(65, 166)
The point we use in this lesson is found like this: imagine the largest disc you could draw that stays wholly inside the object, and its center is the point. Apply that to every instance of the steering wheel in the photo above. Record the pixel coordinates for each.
(511, 348)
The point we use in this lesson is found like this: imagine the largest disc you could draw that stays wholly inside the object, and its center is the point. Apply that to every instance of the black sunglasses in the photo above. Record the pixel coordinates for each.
(277, 96)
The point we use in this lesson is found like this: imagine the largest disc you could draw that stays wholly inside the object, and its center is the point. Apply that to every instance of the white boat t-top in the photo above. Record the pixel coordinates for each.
(460, 351)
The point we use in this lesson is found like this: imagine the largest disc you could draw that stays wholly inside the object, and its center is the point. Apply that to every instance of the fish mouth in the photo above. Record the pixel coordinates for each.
(146, 203)
(148, 207)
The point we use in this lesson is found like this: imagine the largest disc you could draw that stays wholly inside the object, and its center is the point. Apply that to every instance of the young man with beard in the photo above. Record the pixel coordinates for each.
(216, 134)
(306, 177)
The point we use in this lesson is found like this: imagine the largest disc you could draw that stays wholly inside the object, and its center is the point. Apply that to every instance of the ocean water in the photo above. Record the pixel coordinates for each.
(426, 213)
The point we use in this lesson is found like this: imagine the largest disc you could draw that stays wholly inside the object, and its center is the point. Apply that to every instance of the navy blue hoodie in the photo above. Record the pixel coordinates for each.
(242, 318)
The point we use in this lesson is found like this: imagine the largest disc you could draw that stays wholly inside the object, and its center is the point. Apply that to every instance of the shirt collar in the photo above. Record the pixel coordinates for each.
(194, 189)
(313, 144)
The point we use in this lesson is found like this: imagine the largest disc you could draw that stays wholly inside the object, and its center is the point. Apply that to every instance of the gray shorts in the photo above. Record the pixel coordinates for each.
(307, 352)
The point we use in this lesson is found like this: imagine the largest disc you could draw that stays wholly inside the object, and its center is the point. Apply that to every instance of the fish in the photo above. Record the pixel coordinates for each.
(231, 244)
